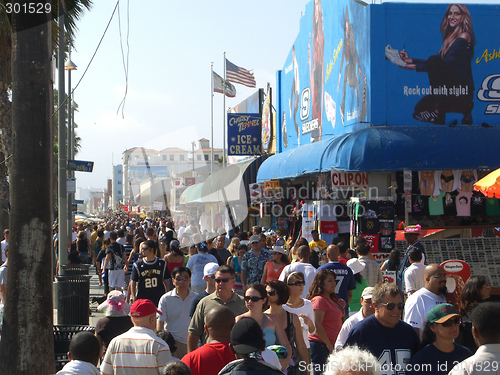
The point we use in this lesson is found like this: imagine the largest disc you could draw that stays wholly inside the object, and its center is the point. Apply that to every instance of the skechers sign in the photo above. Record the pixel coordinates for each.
(244, 134)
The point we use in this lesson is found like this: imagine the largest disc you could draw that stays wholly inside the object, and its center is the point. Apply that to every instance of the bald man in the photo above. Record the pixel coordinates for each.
(345, 278)
(432, 294)
(210, 358)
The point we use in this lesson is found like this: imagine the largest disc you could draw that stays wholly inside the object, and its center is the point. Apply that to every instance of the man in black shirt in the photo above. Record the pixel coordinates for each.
(149, 275)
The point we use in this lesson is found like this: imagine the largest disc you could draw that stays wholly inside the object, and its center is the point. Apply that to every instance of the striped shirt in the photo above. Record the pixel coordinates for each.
(137, 351)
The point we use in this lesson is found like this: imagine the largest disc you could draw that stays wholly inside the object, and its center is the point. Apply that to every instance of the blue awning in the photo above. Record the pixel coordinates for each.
(386, 149)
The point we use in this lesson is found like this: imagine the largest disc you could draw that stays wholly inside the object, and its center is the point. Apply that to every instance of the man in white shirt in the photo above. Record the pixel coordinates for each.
(139, 350)
(414, 275)
(174, 306)
(366, 311)
(419, 303)
(487, 337)
(301, 265)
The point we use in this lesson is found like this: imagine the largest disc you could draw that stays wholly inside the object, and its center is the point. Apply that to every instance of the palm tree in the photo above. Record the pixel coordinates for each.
(74, 11)
(27, 339)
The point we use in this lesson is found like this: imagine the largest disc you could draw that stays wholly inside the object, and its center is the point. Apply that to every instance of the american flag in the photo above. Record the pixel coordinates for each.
(239, 75)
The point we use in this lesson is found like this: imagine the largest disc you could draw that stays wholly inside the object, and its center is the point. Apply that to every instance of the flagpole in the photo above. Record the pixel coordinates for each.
(224, 115)
(212, 139)
(212, 118)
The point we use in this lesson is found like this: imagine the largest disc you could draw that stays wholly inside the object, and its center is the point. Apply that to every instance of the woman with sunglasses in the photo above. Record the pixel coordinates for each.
(274, 333)
(295, 282)
(277, 295)
(475, 291)
(439, 354)
(329, 310)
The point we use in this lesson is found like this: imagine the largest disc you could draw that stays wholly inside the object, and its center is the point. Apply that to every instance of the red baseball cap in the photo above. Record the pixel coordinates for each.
(143, 307)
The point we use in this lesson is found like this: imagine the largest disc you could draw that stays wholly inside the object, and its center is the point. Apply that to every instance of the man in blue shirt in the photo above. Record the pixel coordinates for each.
(345, 278)
(392, 341)
(253, 262)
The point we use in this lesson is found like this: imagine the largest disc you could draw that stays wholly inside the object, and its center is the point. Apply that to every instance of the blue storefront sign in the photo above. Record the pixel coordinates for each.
(244, 134)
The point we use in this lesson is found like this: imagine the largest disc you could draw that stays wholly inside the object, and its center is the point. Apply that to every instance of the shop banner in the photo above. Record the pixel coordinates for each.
(259, 194)
(357, 180)
(267, 120)
(325, 81)
(458, 270)
(244, 134)
(444, 72)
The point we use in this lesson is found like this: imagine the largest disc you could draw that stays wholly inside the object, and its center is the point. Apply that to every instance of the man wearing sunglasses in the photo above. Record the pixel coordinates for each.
(392, 341)
(422, 301)
(175, 306)
(223, 295)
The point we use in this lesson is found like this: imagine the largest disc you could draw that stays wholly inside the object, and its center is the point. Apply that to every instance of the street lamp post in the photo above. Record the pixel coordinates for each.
(61, 175)
(70, 65)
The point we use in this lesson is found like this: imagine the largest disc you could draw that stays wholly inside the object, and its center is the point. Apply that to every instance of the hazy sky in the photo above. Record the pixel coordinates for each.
(170, 46)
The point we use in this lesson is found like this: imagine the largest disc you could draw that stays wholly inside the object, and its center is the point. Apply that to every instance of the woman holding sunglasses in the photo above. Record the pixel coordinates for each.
(277, 295)
(329, 310)
(274, 333)
(295, 282)
(439, 353)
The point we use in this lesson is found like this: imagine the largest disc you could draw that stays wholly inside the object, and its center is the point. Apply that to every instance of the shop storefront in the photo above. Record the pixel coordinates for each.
(356, 108)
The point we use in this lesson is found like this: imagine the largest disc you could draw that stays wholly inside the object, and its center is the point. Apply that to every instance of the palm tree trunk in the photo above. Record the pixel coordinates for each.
(27, 345)
(5, 123)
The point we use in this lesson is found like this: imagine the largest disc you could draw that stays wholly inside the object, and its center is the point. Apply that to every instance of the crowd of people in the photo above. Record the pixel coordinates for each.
(185, 302)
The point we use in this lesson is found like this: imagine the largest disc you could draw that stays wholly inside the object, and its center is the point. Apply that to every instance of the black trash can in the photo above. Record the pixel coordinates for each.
(73, 299)
(62, 337)
(75, 269)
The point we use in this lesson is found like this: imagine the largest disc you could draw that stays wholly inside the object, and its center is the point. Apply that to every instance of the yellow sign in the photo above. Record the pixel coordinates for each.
(271, 185)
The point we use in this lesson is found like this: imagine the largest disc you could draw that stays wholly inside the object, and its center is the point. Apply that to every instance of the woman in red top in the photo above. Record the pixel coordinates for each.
(328, 312)
(273, 267)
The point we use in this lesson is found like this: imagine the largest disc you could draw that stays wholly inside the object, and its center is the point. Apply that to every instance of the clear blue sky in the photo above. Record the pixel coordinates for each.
(171, 45)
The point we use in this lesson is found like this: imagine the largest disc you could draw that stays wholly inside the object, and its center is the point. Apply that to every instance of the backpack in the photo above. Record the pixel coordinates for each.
(117, 262)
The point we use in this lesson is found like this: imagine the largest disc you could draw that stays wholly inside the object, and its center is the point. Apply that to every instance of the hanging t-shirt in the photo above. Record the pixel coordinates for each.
(372, 241)
(328, 218)
(386, 243)
(436, 204)
(329, 227)
(492, 207)
(449, 207)
(478, 204)
(369, 226)
(386, 210)
(420, 205)
(343, 226)
(462, 201)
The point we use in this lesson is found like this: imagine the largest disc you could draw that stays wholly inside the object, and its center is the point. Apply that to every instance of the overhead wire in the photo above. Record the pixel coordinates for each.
(90, 62)
(125, 64)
